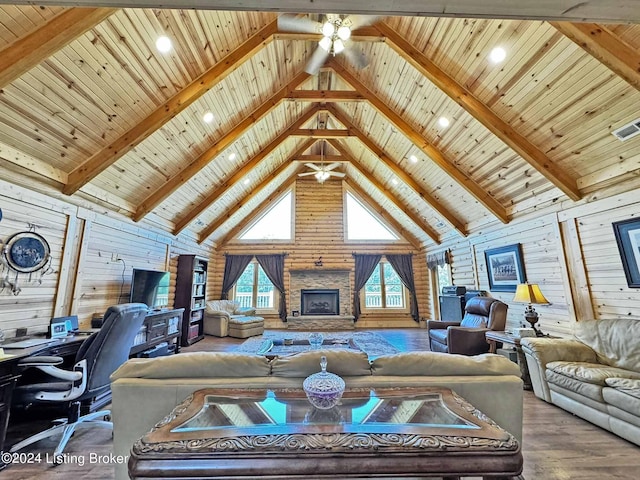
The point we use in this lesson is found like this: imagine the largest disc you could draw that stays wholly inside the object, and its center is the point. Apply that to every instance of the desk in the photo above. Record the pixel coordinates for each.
(386, 433)
(9, 372)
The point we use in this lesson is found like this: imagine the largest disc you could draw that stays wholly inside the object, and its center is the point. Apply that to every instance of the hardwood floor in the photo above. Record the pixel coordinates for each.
(556, 446)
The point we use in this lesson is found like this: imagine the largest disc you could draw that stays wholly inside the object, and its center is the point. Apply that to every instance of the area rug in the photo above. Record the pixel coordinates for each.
(273, 343)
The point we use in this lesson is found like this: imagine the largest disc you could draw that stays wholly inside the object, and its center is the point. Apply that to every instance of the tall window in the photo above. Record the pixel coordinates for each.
(254, 289)
(275, 224)
(384, 289)
(362, 224)
(443, 275)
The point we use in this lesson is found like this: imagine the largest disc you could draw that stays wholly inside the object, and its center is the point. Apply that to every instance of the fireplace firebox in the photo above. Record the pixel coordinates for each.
(320, 301)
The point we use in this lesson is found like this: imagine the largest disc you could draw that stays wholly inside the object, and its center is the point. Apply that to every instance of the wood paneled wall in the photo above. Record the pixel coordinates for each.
(571, 253)
(319, 232)
(86, 277)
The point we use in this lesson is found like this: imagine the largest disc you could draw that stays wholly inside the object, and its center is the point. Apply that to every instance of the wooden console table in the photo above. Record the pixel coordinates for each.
(277, 434)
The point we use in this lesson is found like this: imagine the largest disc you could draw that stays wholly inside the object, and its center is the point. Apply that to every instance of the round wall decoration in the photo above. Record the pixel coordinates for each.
(26, 252)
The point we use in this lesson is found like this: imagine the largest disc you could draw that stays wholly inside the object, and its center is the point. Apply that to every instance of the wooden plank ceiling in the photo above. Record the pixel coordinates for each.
(88, 105)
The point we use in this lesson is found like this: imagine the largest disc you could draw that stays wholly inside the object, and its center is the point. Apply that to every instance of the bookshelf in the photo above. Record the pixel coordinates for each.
(191, 294)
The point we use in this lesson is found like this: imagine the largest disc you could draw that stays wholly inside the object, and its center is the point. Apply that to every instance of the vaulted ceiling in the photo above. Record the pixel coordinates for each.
(90, 107)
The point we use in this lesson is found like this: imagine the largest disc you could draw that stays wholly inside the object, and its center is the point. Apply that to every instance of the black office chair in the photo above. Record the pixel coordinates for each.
(98, 357)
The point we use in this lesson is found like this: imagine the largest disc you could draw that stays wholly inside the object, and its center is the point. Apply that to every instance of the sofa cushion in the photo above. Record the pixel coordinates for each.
(341, 362)
(196, 365)
(594, 373)
(228, 306)
(622, 401)
(615, 341)
(439, 335)
(441, 364)
(246, 321)
(627, 385)
(579, 387)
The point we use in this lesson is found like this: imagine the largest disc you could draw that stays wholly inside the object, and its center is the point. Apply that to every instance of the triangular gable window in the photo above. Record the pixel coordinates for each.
(275, 224)
(362, 224)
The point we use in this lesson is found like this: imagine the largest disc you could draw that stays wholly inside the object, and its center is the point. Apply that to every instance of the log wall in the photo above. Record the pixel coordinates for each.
(320, 232)
(86, 278)
(571, 253)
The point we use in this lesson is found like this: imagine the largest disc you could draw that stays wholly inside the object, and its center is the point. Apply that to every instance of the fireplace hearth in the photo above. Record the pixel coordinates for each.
(320, 301)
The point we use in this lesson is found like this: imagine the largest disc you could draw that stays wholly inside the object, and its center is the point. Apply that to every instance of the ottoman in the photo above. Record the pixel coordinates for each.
(244, 327)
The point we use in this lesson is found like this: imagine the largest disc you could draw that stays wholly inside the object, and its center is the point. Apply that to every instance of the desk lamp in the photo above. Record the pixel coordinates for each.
(531, 294)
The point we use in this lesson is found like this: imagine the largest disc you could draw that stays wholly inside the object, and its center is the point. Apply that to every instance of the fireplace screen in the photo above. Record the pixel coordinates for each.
(320, 302)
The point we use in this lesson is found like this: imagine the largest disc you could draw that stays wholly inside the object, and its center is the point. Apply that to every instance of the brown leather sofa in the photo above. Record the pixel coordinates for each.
(467, 337)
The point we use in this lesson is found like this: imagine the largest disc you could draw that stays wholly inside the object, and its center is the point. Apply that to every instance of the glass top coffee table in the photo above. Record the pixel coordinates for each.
(391, 432)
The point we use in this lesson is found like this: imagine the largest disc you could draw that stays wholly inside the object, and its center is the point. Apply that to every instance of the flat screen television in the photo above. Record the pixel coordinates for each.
(150, 287)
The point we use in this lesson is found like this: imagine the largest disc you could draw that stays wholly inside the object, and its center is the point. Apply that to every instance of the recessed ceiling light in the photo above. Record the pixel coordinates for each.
(163, 44)
(443, 122)
(208, 117)
(497, 55)
(394, 181)
(246, 181)
(232, 157)
(413, 159)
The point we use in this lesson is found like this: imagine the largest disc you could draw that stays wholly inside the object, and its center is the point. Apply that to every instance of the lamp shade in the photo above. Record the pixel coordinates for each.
(529, 293)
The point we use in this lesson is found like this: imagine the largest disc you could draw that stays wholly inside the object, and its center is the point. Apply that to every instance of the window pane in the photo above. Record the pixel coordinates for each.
(393, 290)
(265, 297)
(444, 279)
(244, 287)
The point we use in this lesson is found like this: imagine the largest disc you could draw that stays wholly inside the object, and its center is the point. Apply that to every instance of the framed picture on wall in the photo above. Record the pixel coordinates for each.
(628, 237)
(505, 268)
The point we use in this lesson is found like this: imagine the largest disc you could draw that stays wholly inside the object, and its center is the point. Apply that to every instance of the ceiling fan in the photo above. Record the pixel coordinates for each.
(322, 172)
(336, 31)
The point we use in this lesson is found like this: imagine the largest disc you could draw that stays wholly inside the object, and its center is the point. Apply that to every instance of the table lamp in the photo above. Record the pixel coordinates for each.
(531, 294)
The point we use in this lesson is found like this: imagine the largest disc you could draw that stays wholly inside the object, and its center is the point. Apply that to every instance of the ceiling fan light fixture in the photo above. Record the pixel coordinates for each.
(328, 29)
(325, 44)
(344, 32)
(338, 46)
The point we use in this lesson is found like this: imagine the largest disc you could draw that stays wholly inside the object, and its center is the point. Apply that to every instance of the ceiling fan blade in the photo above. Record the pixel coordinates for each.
(337, 174)
(316, 61)
(306, 174)
(313, 166)
(291, 23)
(356, 57)
(357, 21)
(331, 166)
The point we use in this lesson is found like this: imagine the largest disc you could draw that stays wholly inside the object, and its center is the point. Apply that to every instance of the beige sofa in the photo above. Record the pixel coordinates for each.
(227, 318)
(595, 375)
(146, 390)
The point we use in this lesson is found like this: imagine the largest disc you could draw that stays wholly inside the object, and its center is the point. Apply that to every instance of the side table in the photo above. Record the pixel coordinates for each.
(505, 338)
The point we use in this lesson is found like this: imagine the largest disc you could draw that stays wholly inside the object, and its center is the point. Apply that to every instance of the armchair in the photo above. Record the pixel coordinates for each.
(227, 318)
(467, 337)
(98, 357)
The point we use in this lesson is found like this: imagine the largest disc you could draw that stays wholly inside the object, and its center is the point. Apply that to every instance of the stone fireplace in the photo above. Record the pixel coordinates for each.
(320, 301)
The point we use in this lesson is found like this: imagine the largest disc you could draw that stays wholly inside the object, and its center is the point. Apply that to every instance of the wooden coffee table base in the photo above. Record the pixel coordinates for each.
(311, 450)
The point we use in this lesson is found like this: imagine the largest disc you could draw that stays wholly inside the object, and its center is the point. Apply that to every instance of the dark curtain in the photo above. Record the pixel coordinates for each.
(435, 259)
(273, 266)
(403, 265)
(234, 265)
(364, 267)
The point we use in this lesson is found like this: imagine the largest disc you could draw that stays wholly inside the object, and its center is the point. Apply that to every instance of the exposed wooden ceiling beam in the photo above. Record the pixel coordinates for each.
(321, 133)
(207, 232)
(284, 186)
(410, 237)
(605, 46)
(496, 125)
(418, 140)
(363, 34)
(321, 158)
(403, 176)
(326, 96)
(241, 172)
(30, 50)
(107, 156)
(203, 160)
(415, 218)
